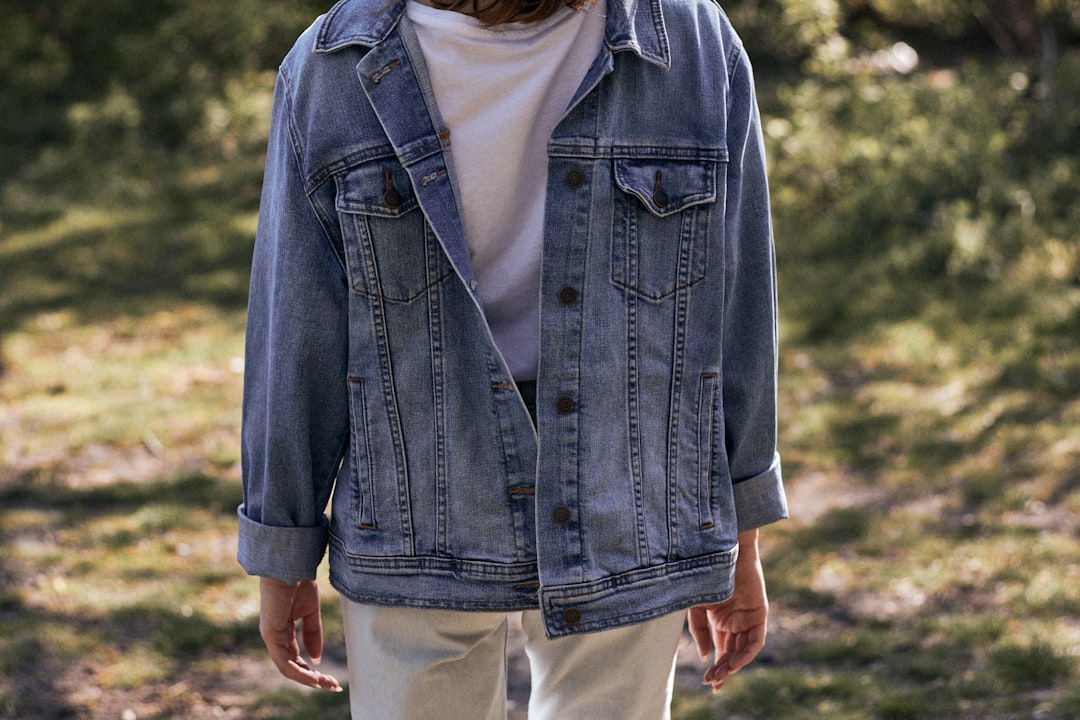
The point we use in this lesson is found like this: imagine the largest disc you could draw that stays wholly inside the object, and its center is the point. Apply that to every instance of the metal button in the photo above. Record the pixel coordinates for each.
(392, 199)
(575, 178)
(568, 295)
(561, 515)
(565, 405)
(571, 616)
(659, 196)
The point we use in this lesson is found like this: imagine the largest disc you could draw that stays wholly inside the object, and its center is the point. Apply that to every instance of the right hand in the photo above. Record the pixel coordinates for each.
(281, 607)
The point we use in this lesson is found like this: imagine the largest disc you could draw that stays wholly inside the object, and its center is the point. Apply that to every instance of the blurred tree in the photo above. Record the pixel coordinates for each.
(163, 61)
(787, 29)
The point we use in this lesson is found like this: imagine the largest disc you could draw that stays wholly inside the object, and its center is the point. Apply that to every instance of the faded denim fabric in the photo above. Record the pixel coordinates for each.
(372, 376)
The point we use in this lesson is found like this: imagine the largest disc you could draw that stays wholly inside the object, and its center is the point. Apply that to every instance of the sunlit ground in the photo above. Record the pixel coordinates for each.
(916, 579)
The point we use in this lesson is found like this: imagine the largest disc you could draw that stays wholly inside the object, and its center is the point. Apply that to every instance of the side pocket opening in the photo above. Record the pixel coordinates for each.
(363, 482)
(706, 429)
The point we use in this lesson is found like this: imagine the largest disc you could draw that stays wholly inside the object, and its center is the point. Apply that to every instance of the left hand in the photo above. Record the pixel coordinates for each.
(734, 629)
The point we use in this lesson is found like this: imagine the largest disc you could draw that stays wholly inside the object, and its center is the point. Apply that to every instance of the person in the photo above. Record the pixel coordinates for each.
(512, 318)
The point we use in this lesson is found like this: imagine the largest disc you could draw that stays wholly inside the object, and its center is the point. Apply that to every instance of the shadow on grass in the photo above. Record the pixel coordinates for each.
(125, 232)
(936, 668)
(293, 704)
(193, 491)
(50, 657)
(101, 611)
(130, 252)
(133, 656)
(139, 655)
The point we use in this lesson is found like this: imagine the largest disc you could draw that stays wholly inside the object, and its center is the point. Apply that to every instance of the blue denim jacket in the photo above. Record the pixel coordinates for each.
(372, 377)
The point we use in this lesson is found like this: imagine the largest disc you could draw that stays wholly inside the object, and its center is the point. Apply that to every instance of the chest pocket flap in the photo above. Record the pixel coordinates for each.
(667, 187)
(382, 189)
(390, 250)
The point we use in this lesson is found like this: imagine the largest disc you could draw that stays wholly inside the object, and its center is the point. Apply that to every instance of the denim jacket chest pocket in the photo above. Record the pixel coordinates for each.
(661, 224)
(391, 251)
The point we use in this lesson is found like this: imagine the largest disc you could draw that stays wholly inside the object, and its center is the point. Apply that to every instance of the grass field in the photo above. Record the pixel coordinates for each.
(931, 568)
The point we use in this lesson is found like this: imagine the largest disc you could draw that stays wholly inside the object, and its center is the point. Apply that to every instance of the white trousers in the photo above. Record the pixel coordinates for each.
(410, 664)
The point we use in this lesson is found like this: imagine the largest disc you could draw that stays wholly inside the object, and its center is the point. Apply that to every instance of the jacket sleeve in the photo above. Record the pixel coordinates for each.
(750, 315)
(295, 407)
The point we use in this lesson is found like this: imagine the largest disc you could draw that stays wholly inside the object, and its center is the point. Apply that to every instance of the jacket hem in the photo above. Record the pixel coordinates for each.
(639, 595)
(471, 586)
(433, 582)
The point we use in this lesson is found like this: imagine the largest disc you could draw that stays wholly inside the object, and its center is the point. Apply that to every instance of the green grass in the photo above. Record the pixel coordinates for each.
(128, 589)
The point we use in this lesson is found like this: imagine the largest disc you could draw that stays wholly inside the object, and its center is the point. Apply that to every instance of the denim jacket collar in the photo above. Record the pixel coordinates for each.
(633, 25)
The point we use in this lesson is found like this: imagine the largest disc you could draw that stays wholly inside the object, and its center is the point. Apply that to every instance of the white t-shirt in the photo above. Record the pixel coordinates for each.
(501, 91)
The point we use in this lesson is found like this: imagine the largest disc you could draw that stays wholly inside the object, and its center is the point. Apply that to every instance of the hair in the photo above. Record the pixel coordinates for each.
(497, 12)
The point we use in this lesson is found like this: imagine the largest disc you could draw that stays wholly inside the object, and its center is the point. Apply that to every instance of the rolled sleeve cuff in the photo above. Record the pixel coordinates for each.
(760, 500)
(289, 554)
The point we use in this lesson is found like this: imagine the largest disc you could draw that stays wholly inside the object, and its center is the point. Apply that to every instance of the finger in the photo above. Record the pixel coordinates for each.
(698, 622)
(285, 654)
(740, 653)
(753, 643)
(723, 639)
(292, 666)
(732, 645)
(304, 674)
(312, 635)
(280, 641)
(722, 666)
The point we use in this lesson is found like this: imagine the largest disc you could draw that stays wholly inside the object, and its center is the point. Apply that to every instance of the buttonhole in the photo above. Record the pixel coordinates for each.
(428, 179)
(384, 71)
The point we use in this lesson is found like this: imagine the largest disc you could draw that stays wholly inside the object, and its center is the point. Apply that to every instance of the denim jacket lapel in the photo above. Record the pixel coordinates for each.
(393, 77)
